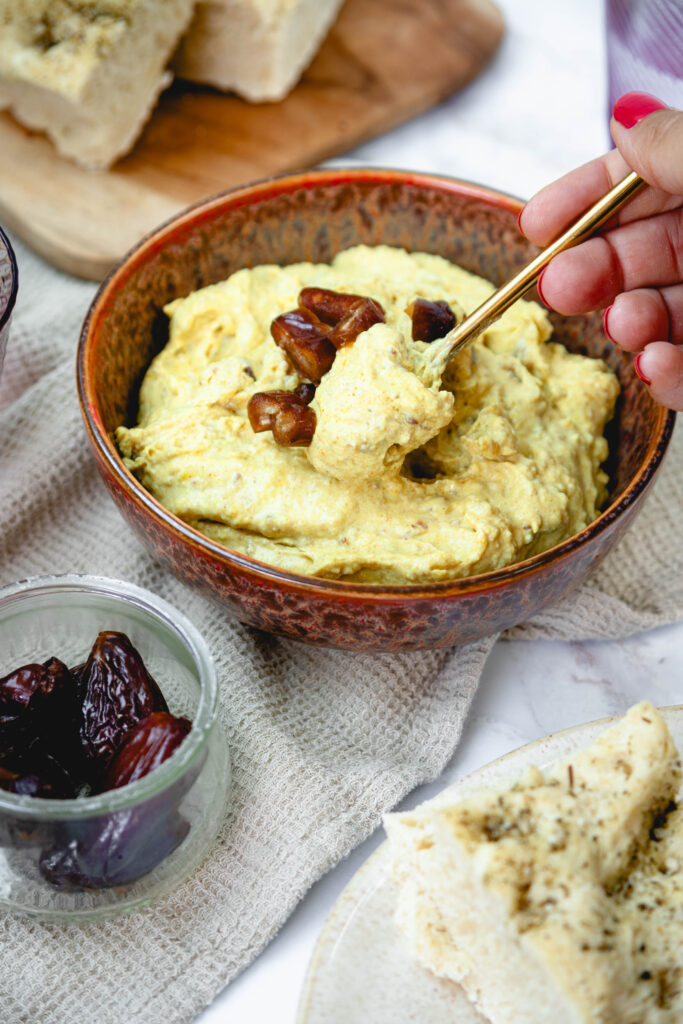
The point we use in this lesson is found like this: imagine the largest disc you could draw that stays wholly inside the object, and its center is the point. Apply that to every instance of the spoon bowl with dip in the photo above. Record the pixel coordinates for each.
(377, 436)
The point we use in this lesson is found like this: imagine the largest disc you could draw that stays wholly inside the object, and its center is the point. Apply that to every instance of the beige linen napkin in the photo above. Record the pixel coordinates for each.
(323, 742)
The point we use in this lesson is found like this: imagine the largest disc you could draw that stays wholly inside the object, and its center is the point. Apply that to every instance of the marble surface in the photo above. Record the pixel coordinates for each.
(536, 112)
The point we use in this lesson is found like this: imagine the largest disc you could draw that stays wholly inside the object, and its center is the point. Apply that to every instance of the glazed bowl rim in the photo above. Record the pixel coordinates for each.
(193, 746)
(6, 313)
(251, 194)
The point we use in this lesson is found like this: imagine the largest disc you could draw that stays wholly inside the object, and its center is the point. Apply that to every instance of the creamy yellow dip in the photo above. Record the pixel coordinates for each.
(409, 478)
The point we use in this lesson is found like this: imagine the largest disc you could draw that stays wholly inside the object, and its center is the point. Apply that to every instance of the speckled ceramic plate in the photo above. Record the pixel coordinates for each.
(361, 970)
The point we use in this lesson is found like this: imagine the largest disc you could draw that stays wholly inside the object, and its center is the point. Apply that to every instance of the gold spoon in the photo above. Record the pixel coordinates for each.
(483, 316)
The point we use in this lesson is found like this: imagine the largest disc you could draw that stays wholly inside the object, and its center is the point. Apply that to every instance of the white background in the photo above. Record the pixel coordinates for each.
(537, 111)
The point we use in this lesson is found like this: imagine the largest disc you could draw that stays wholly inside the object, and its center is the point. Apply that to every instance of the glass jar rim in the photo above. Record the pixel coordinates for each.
(6, 311)
(192, 747)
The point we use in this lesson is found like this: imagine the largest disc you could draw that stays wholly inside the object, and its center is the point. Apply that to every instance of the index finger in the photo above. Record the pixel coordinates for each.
(557, 205)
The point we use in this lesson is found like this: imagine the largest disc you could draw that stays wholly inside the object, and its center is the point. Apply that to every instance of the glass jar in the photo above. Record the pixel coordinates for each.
(8, 292)
(137, 842)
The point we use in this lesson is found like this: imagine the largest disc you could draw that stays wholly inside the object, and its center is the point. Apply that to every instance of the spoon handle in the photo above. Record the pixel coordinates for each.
(496, 304)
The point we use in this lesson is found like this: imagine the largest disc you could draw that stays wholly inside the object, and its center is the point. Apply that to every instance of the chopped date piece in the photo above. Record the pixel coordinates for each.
(306, 392)
(305, 340)
(363, 315)
(286, 414)
(431, 319)
(325, 321)
(118, 692)
(294, 426)
(145, 747)
(328, 306)
(263, 406)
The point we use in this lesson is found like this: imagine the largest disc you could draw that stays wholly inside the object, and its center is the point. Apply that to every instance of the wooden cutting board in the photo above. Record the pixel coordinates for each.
(383, 62)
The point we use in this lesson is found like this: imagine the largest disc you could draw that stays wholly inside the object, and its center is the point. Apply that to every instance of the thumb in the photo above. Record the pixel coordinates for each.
(649, 136)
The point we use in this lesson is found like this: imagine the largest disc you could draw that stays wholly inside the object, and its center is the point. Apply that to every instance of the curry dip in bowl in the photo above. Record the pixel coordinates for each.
(405, 480)
(413, 509)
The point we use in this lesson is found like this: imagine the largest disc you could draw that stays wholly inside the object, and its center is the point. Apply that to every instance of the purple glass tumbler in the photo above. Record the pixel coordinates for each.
(645, 49)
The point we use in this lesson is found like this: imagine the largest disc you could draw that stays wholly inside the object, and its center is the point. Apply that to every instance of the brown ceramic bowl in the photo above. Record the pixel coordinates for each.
(311, 216)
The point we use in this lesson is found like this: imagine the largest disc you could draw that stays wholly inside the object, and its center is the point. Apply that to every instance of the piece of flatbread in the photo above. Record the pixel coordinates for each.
(257, 48)
(87, 72)
(558, 899)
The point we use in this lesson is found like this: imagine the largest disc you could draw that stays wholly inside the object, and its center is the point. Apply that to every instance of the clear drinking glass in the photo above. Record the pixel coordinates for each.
(8, 292)
(645, 49)
(138, 841)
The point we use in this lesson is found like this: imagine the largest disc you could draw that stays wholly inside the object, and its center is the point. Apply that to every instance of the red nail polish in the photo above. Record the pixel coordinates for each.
(636, 367)
(519, 221)
(632, 107)
(605, 328)
(539, 289)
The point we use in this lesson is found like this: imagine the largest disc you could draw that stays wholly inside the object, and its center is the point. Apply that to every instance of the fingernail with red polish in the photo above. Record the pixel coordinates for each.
(632, 107)
(605, 328)
(539, 285)
(636, 367)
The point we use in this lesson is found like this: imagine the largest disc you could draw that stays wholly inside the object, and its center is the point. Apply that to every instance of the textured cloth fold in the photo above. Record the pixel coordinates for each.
(322, 742)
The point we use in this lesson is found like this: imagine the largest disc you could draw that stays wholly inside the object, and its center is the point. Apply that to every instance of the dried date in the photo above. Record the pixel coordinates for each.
(265, 405)
(286, 414)
(145, 747)
(323, 322)
(363, 315)
(120, 847)
(349, 315)
(294, 426)
(306, 392)
(431, 319)
(329, 306)
(100, 725)
(17, 722)
(117, 693)
(305, 340)
(17, 689)
(29, 688)
(115, 849)
(38, 709)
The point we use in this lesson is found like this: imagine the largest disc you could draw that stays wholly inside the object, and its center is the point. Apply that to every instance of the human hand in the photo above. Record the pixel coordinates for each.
(634, 268)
